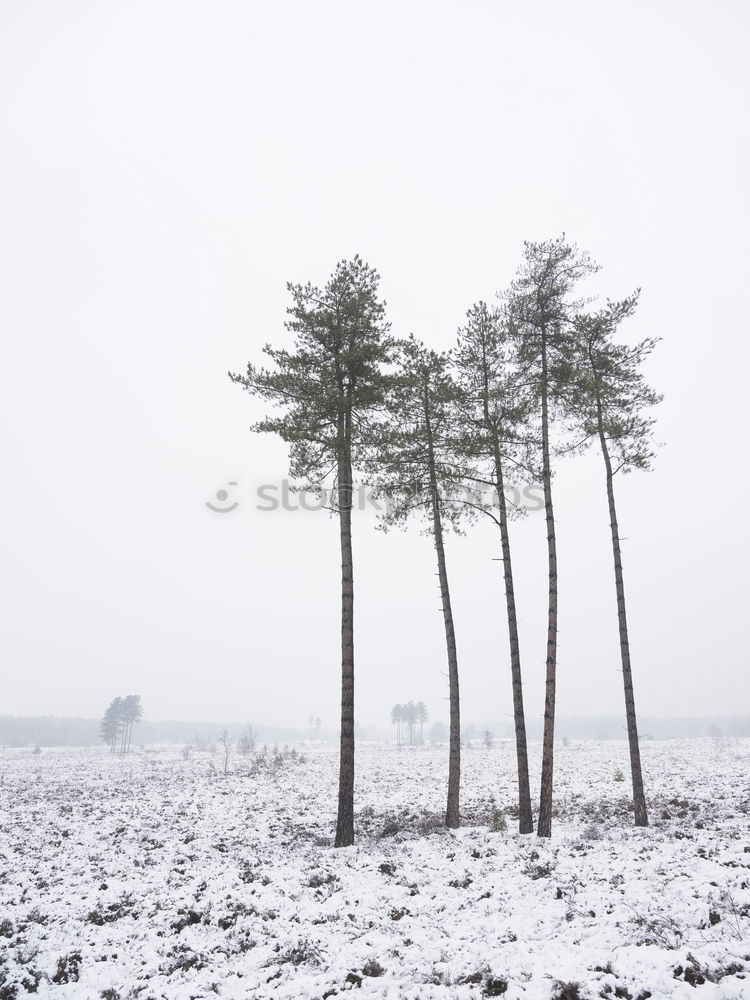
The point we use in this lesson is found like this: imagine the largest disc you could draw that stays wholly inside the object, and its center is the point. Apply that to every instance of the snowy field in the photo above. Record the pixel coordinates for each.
(154, 876)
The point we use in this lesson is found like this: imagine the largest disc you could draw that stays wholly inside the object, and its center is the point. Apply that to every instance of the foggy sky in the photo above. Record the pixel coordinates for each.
(168, 166)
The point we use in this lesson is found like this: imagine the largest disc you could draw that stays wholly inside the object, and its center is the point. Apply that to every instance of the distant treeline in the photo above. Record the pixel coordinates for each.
(22, 731)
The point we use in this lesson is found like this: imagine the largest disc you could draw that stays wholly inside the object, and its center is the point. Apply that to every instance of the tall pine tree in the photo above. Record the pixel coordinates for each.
(541, 312)
(330, 387)
(614, 400)
(414, 463)
(496, 411)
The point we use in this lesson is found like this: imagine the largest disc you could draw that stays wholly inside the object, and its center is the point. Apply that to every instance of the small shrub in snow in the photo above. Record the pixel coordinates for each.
(656, 929)
(497, 821)
(694, 973)
(302, 952)
(68, 968)
(537, 869)
(236, 911)
(101, 914)
(390, 828)
(183, 959)
(567, 991)
(618, 775)
(373, 968)
(275, 761)
(186, 919)
(494, 986)
(318, 879)
(36, 916)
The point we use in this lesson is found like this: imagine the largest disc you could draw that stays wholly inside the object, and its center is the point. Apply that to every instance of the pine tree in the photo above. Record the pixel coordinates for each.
(414, 464)
(541, 313)
(330, 387)
(410, 711)
(131, 712)
(422, 717)
(613, 399)
(109, 725)
(397, 717)
(496, 413)
(118, 709)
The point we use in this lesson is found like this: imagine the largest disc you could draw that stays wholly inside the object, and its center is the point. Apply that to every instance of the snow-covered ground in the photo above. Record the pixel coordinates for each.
(154, 876)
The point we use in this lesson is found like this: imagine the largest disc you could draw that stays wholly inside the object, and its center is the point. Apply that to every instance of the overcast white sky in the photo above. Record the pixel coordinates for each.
(168, 166)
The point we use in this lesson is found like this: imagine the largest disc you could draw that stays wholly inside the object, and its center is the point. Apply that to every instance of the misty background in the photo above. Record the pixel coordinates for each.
(168, 167)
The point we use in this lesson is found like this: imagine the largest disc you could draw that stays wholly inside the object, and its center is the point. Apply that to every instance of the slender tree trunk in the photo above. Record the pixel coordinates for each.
(452, 814)
(544, 827)
(639, 797)
(525, 817)
(345, 822)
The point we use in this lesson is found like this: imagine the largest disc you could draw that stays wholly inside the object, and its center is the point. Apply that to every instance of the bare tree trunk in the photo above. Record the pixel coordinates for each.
(525, 817)
(639, 797)
(452, 813)
(345, 822)
(544, 827)
(454, 754)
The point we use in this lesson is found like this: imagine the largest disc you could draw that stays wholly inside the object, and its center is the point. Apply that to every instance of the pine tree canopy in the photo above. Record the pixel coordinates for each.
(333, 380)
(414, 457)
(612, 387)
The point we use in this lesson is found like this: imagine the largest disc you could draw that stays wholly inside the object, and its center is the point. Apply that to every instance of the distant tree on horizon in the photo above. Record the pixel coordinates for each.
(132, 712)
(397, 718)
(225, 744)
(315, 722)
(109, 727)
(410, 713)
(422, 717)
(247, 740)
(116, 726)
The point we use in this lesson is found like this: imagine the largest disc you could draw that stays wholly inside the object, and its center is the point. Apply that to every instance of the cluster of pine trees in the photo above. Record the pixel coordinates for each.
(406, 717)
(116, 726)
(536, 375)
